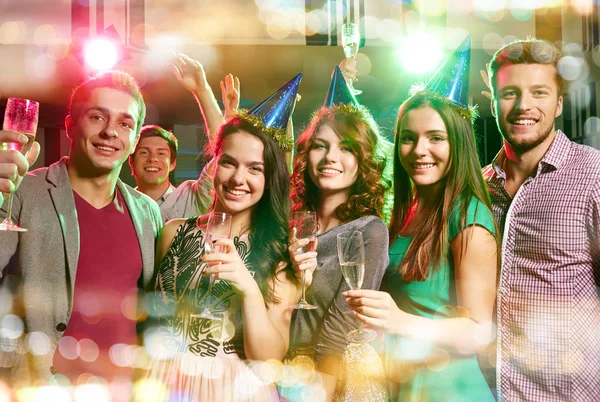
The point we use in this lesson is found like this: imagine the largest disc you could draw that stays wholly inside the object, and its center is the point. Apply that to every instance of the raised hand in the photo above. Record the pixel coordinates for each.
(189, 73)
(348, 68)
(13, 165)
(375, 308)
(486, 81)
(304, 261)
(227, 265)
(230, 92)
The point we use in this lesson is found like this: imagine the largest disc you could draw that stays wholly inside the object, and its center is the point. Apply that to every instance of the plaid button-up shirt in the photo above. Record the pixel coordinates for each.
(549, 290)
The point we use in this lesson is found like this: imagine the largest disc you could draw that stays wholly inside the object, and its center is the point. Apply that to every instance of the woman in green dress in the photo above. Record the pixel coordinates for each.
(437, 297)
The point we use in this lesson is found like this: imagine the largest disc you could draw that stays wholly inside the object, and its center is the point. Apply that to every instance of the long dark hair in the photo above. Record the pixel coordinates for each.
(462, 183)
(269, 223)
(367, 193)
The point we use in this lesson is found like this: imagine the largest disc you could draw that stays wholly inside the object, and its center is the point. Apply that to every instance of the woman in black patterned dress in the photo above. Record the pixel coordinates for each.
(216, 360)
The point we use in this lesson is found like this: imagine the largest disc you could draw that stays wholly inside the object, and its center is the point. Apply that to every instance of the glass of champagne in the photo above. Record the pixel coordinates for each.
(306, 226)
(21, 115)
(350, 43)
(351, 253)
(218, 227)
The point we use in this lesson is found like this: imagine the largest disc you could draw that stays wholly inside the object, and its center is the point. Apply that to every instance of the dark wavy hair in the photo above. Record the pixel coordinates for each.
(356, 125)
(463, 182)
(269, 222)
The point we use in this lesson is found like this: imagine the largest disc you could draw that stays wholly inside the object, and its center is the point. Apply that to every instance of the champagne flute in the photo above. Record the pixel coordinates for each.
(351, 253)
(306, 226)
(21, 115)
(350, 43)
(218, 227)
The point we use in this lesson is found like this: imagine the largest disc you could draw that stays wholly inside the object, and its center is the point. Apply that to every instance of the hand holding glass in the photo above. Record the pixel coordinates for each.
(306, 226)
(218, 227)
(351, 254)
(21, 116)
(350, 43)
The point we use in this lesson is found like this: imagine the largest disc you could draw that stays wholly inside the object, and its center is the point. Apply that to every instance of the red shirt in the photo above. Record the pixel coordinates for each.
(105, 296)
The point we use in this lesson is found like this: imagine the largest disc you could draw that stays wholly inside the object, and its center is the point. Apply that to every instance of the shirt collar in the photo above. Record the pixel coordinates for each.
(555, 157)
(558, 152)
(162, 198)
(166, 193)
(498, 163)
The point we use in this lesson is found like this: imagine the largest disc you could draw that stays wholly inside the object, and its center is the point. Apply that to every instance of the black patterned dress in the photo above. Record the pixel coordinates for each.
(195, 359)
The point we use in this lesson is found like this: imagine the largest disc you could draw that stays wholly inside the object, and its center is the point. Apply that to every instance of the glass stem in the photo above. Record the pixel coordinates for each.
(303, 301)
(9, 208)
(211, 281)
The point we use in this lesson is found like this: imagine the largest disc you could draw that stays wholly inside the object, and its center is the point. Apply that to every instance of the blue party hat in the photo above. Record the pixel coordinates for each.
(451, 81)
(275, 111)
(338, 91)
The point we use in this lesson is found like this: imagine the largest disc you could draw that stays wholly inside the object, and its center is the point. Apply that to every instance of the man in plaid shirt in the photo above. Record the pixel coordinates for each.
(545, 193)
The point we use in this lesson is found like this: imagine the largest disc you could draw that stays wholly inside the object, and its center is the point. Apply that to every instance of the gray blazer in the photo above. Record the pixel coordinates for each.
(38, 267)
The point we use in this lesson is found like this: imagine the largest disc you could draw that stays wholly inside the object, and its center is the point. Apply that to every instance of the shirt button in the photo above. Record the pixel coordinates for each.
(61, 327)
(502, 289)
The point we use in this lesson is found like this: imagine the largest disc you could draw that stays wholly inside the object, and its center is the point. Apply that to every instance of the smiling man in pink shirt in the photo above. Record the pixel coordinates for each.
(545, 192)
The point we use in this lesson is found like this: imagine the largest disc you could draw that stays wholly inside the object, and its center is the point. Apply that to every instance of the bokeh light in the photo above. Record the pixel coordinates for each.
(100, 54)
(419, 53)
(43, 66)
(68, 347)
(430, 8)
(490, 5)
(583, 6)
(91, 392)
(316, 22)
(121, 390)
(58, 48)
(388, 30)
(572, 68)
(150, 391)
(5, 392)
(37, 343)
(11, 326)
(581, 96)
(438, 360)
(44, 34)
(591, 126)
(521, 14)
(122, 355)
(129, 306)
(12, 32)
(88, 350)
(491, 43)
(363, 64)
(161, 52)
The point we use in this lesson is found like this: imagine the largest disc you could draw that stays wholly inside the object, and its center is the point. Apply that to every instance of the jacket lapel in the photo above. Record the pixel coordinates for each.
(64, 204)
(143, 228)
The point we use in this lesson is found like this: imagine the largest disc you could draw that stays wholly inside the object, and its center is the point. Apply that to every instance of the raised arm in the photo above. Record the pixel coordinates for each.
(190, 74)
(230, 92)
(348, 69)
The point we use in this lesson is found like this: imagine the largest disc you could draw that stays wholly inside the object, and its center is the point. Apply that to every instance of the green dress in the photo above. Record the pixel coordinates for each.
(449, 377)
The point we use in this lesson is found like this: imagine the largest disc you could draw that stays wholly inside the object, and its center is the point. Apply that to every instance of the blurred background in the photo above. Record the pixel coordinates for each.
(267, 42)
